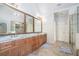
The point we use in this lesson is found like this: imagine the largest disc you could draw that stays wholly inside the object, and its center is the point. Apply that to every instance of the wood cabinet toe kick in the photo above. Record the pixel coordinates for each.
(22, 47)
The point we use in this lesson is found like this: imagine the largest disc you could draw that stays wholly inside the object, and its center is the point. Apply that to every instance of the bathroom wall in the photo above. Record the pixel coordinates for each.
(48, 27)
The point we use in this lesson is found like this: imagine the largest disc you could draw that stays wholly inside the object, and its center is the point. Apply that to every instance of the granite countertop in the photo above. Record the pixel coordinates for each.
(15, 37)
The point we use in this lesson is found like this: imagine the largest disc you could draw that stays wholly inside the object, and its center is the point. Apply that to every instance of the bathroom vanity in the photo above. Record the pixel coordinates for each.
(14, 24)
(23, 44)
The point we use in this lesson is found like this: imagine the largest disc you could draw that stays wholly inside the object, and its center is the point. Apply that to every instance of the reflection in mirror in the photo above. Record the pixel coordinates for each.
(3, 28)
(37, 27)
(29, 23)
(17, 25)
(11, 21)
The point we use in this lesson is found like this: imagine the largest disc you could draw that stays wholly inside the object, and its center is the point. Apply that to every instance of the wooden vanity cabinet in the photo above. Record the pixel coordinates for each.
(40, 40)
(6, 45)
(24, 46)
(14, 51)
(29, 44)
(5, 52)
(21, 47)
(45, 38)
(20, 42)
(35, 43)
(27, 48)
(23, 50)
(5, 48)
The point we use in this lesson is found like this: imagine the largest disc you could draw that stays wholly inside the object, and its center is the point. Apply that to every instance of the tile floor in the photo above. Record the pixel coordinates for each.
(55, 49)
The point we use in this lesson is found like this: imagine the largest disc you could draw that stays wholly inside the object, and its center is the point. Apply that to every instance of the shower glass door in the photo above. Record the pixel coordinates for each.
(72, 32)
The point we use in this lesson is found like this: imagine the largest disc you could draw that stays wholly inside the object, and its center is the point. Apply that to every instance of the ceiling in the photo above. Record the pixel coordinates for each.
(45, 9)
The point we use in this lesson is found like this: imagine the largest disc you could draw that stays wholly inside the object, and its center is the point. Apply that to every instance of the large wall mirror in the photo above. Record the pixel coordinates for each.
(13, 21)
(17, 25)
(37, 27)
(29, 23)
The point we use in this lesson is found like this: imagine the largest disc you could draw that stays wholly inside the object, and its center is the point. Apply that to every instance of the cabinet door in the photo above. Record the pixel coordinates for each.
(36, 42)
(5, 45)
(29, 44)
(4, 52)
(41, 40)
(23, 50)
(14, 51)
(45, 37)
